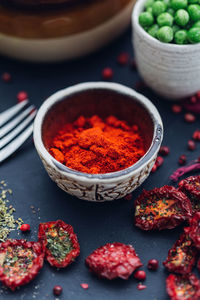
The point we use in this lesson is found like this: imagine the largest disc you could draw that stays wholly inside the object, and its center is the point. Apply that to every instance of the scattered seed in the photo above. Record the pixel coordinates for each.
(6, 77)
(191, 145)
(25, 227)
(141, 287)
(189, 118)
(196, 135)
(123, 58)
(21, 96)
(154, 169)
(193, 99)
(198, 95)
(164, 150)
(140, 275)
(85, 286)
(159, 161)
(57, 290)
(176, 109)
(182, 159)
(107, 73)
(153, 264)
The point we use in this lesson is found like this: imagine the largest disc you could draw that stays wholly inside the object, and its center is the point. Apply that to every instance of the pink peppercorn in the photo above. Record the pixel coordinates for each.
(22, 96)
(164, 150)
(107, 73)
(196, 135)
(182, 159)
(6, 77)
(25, 227)
(140, 275)
(198, 95)
(123, 58)
(191, 145)
(85, 286)
(159, 161)
(141, 287)
(57, 290)
(154, 169)
(193, 99)
(176, 109)
(153, 264)
(189, 118)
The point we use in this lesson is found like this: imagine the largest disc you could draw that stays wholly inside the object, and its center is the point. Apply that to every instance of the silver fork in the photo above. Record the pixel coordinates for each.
(13, 130)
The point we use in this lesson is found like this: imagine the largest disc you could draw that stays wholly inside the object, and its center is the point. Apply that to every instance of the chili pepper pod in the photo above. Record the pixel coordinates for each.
(161, 208)
(59, 242)
(113, 260)
(182, 256)
(191, 187)
(20, 262)
(183, 287)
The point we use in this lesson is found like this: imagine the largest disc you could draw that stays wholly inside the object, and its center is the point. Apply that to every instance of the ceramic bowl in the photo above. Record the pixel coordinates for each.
(172, 71)
(103, 99)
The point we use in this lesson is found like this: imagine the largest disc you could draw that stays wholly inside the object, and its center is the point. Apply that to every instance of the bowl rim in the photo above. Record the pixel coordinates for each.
(138, 7)
(115, 87)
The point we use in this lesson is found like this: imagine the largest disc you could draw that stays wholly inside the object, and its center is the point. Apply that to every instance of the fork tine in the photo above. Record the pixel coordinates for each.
(16, 143)
(17, 130)
(8, 127)
(9, 113)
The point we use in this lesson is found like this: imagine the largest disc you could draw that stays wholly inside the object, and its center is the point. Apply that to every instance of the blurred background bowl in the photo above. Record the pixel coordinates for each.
(103, 99)
(173, 71)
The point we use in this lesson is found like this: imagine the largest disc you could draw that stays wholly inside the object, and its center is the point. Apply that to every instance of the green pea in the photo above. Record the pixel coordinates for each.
(180, 37)
(194, 12)
(165, 19)
(158, 8)
(153, 30)
(194, 35)
(171, 11)
(178, 4)
(149, 9)
(165, 34)
(149, 3)
(146, 19)
(175, 28)
(197, 24)
(167, 3)
(181, 17)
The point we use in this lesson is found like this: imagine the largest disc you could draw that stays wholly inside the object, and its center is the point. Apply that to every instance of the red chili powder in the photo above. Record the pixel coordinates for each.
(97, 146)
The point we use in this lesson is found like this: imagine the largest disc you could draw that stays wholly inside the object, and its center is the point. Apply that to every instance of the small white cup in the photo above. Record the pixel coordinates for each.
(171, 70)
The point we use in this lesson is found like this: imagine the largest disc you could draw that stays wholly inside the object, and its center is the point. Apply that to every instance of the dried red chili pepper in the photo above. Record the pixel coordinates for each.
(113, 260)
(59, 242)
(161, 208)
(183, 287)
(191, 187)
(182, 256)
(20, 262)
(194, 229)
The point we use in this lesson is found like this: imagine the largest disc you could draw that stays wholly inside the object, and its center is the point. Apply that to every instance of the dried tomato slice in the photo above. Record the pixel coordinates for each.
(20, 262)
(182, 256)
(113, 260)
(161, 208)
(183, 287)
(191, 187)
(60, 243)
(194, 229)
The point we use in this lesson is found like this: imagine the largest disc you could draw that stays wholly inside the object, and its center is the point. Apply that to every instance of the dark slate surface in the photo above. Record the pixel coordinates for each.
(95, 224)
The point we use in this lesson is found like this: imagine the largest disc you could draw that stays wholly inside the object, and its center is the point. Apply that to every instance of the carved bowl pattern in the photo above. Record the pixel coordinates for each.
(97, 187)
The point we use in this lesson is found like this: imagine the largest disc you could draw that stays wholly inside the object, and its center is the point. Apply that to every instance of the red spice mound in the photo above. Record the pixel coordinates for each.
(194, 230)
(92, 145)
(191, 187)
(59, 242)
(114, 260)
(161, 208)
(20, 262)
(183, 287)
(182, 256)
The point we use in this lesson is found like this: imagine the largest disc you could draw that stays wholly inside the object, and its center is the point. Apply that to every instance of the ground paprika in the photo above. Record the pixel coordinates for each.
(97, 146)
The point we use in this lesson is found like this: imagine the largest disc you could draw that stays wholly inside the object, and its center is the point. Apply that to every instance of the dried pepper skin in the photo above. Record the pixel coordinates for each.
(191, 187)
(194, 230)
(182, 256)
(20, 262)
(59, 242)
(113, 260)
(183, 287)
(161, 208)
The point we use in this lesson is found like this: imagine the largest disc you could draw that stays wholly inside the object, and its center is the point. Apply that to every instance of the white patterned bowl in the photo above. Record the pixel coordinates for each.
(103, 99)
(172, 71)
